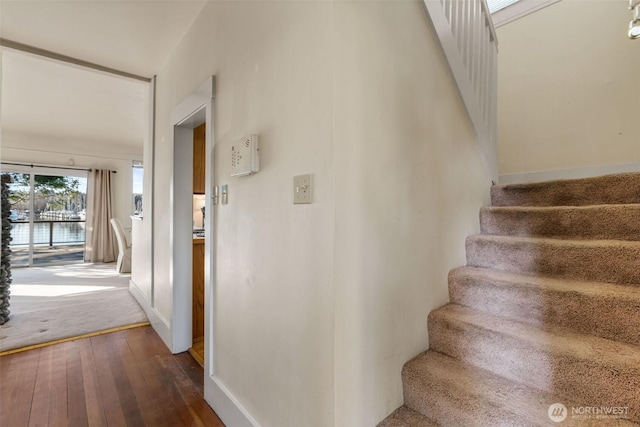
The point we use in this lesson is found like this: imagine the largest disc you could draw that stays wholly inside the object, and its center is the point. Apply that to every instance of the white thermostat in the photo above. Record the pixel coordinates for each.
(245, 159)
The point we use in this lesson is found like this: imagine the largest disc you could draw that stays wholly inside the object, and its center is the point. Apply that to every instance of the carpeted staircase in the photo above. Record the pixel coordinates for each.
(547, 310)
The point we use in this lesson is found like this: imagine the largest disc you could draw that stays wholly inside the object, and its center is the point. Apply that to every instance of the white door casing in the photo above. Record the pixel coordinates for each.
(194, 110)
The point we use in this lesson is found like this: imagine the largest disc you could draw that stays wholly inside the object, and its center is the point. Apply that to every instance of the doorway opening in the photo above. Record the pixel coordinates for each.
(194, 110)
(187, 247)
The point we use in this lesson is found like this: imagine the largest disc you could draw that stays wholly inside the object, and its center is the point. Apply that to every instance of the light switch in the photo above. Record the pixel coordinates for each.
(302, 189)
(225, 194)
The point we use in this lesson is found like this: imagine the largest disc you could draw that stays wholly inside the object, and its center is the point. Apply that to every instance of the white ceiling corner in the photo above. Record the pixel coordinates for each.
(46, 97)
(135, 36)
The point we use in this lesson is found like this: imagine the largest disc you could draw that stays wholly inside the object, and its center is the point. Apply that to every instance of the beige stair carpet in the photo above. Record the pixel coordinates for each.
(543, 327)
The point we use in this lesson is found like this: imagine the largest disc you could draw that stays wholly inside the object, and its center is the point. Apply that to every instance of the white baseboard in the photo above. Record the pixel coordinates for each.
(158, 322)
(574, 173)
(228, 408)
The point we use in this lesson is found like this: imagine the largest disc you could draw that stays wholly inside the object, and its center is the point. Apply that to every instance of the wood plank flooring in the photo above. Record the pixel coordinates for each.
(126, 378)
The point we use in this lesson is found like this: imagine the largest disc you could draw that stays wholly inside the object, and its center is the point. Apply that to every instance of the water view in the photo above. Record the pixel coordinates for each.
(48, 233)
(57, 206)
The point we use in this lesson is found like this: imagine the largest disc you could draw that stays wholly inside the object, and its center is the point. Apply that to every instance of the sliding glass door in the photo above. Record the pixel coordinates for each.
(48, 218)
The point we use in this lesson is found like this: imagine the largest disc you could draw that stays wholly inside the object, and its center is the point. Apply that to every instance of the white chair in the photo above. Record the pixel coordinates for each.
(124, 249)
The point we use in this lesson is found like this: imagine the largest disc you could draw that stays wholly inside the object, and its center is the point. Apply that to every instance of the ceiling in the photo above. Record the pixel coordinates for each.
(46, 98)
(134, 36)
(50, 98)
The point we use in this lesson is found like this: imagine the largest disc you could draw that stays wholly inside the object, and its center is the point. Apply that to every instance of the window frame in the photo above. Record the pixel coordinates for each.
(517, 10)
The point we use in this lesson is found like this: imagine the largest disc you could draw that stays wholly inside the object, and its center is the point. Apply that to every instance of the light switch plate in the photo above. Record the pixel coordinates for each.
(225, 194)
(302, 189)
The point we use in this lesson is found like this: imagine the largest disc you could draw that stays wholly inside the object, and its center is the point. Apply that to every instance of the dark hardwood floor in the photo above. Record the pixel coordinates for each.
(126, 378)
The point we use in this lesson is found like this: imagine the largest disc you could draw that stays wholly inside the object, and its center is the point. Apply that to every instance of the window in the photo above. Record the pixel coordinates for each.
(48, 211)
(496, 5)
(138, 175)
(505, 11)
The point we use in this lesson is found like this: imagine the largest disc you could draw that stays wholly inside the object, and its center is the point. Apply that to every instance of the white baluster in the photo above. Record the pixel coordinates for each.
(447, 9)
(460, 27)
(466, 32)
(454, 19)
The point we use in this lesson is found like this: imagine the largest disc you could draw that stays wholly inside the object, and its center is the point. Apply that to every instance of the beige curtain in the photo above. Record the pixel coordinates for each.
(100, 241)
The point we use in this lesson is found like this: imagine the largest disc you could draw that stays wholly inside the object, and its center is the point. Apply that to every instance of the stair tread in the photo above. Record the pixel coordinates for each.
(608, 189)
(557, 242)
(611, 261)
(571, 181)
(469, 389)
(574, 286)
(551, 339)
(453, 393)
(601, 309)
(518, 208)
(614, 222)
(406, 417)
(593, 370)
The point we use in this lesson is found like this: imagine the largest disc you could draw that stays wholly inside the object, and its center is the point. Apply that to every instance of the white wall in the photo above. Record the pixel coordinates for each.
(274, 279)
(409, 183)
(320, 305)
(569, 88)
(20, 147)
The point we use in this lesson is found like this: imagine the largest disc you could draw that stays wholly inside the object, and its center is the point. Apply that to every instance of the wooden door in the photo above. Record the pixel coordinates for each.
(199, 159)
(197, 301)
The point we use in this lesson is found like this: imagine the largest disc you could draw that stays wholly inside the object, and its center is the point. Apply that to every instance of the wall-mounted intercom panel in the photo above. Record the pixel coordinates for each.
(245, 158)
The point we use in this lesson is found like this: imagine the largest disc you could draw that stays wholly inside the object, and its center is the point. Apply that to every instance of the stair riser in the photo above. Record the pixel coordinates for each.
(607, 262)
(601, 222)
(586, 381)
(526, 303)
(611, 189)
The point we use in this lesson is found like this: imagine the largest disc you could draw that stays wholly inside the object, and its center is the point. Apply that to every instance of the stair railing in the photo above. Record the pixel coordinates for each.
(469, 42)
